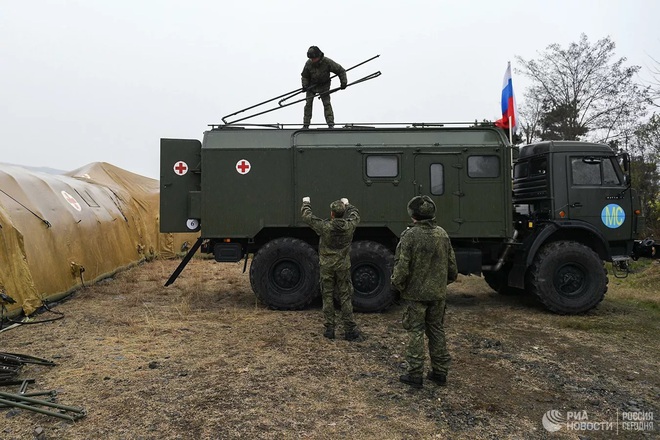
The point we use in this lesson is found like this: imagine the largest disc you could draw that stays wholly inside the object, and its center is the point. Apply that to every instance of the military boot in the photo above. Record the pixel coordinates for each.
(437, 378)
(329, 332)
(354, 336)
(413, 381)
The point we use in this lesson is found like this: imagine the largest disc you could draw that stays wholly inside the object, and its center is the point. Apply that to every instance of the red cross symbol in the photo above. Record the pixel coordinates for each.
(73, 202)
(243, 166)
(180, 168)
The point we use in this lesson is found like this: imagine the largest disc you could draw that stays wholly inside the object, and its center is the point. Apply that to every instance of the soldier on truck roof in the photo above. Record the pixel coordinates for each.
(316, 79)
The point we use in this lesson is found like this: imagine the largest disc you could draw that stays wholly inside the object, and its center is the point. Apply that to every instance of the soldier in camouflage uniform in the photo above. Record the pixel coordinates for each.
(316, 79)
(424, 264)
(336, 236)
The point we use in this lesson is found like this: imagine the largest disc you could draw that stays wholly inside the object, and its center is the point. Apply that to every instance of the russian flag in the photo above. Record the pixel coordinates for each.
(509, 110)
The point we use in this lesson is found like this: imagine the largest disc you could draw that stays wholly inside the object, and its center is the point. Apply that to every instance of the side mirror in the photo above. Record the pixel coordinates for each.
(625, 161)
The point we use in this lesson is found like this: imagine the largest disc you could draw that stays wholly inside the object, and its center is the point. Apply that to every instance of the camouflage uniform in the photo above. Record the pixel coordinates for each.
(317, 75)
(424, 264)
(336, 236)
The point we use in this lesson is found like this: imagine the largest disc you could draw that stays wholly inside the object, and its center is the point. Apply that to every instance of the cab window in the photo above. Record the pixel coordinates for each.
(535, 167)
(585, 171)
(521, 170)
(593, 171)
(539, 166)
(609, 174)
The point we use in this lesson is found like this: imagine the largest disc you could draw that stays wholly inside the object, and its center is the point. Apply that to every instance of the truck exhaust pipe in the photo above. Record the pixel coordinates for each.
(497, 266)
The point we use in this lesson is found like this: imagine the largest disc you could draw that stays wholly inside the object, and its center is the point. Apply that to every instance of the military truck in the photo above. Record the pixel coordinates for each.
(542, 218)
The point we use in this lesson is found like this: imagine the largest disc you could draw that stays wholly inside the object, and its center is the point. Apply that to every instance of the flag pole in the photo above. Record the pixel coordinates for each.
(508, 67)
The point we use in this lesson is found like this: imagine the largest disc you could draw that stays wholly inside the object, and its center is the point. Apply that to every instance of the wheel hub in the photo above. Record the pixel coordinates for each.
(570, 280)
(286, 274)
(366, 279)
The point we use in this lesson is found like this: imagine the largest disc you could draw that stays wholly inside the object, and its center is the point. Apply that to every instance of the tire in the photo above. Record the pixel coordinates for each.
(498, 282)
(371, 269)
(568, 278)
(284, 274)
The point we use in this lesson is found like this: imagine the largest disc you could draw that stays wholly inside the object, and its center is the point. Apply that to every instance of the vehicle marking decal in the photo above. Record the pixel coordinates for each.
(613, 216)
(180, 168)
(243, 166)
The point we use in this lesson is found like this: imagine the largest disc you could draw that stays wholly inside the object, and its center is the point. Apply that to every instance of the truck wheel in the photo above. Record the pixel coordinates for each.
(371, 268)
(568, 277)
(284, 274)
(498, 282)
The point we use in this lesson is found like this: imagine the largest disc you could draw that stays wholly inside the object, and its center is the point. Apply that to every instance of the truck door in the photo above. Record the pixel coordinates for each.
(437, 175)
(180, 162)
(597, 194)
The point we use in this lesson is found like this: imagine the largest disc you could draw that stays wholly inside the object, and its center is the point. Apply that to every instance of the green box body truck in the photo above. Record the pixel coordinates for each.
(542, 218)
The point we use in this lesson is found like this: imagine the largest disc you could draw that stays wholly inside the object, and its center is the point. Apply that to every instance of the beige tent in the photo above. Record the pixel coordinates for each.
(58, 231)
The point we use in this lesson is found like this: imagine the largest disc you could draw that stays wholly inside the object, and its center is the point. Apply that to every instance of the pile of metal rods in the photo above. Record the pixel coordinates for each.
(10, 366)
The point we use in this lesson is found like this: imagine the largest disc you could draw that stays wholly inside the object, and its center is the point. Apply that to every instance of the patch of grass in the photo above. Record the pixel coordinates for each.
(581, 323)
(617, 315)
(641, 287)
(470, 283)
(648, 305)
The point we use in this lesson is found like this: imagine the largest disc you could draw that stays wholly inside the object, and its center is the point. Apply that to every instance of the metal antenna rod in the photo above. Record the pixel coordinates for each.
(286, 96)
(366, 78)
(333, 76)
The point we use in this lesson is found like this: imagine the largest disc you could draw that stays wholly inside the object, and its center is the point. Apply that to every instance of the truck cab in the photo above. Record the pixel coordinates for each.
(575, 198)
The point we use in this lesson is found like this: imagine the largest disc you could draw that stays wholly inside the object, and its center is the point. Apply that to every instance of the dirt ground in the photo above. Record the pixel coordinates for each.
(202, 359)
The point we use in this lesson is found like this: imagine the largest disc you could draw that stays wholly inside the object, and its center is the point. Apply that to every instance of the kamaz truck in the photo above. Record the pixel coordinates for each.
(542, 218)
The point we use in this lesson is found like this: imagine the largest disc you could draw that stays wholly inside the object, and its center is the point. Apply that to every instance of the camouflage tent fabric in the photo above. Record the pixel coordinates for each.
(60, 231)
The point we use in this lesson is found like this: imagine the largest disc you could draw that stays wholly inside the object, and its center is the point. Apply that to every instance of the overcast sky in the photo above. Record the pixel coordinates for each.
(89, 80)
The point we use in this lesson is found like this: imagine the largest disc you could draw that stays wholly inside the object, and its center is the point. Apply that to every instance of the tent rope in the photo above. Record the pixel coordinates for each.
(34, 214)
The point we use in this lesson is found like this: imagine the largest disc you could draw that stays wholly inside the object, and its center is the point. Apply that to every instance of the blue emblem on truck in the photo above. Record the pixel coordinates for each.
(613, 216)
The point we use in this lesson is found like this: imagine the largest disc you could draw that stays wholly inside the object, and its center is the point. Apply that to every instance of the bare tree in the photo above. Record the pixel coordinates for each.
(582, 92)
(646, 140)
(530, 118)
(655, 82)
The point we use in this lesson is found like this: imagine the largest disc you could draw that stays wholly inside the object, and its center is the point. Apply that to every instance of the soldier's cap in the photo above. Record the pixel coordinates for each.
(421, 208)
(338, 208)
(314, 52)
